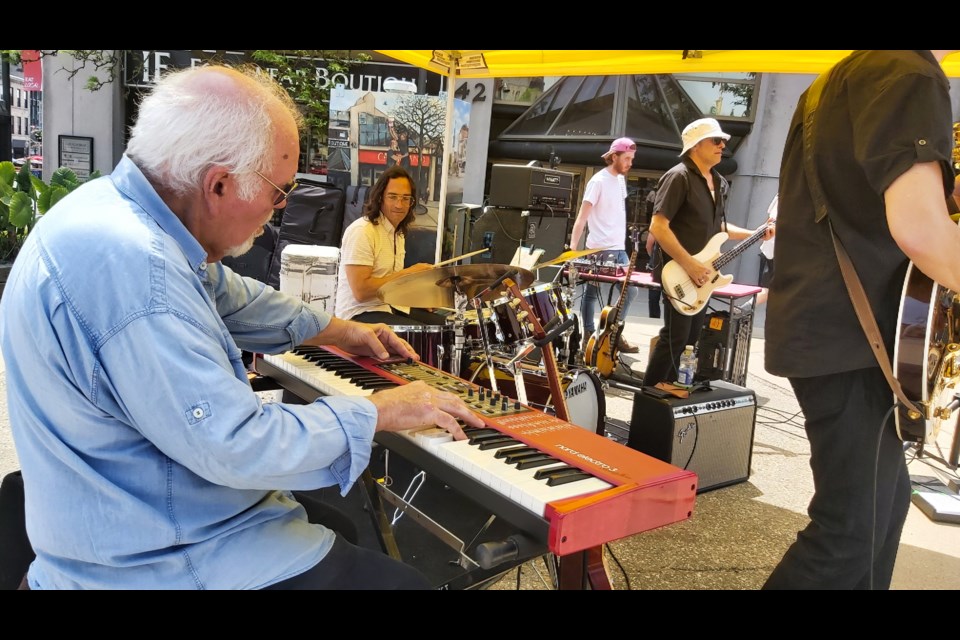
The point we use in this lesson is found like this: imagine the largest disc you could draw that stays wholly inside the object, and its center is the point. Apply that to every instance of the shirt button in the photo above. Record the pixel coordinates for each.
(203, 266)
(921, 142)
(198, 413)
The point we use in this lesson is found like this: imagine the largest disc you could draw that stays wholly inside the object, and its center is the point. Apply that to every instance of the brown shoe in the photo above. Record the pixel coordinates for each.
(625, 347)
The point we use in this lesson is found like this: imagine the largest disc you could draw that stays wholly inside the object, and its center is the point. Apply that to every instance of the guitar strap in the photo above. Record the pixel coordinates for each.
(858, 296)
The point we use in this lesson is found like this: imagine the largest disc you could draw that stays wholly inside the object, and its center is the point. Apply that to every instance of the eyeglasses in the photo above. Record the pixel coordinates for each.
(717, 141)
(284, 191)
(394, 198)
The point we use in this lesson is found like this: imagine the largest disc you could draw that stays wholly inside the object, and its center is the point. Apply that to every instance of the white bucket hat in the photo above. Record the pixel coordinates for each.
(701, 130)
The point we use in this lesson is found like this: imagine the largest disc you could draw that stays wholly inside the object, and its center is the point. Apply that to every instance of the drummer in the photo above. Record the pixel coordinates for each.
(372, 254)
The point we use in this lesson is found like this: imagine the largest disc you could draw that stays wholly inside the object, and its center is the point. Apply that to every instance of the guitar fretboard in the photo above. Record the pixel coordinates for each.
(740, 248)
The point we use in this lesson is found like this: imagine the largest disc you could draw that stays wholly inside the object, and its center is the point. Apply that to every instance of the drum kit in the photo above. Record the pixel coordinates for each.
(487, 339)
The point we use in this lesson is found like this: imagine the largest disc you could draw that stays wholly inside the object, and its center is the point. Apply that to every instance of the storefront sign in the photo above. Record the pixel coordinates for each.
(76, 153)
(32, 71)
(144, 68)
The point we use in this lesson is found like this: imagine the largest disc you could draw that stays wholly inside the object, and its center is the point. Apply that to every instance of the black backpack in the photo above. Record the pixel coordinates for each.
(314, 215)
(356, 197)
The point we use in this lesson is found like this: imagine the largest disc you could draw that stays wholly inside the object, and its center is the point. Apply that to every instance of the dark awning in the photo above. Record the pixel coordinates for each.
(588, 153)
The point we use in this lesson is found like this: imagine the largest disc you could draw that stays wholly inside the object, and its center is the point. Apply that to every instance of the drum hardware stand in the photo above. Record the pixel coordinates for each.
(460, 303)
(485, 342)
(514, 366)
(569, 290)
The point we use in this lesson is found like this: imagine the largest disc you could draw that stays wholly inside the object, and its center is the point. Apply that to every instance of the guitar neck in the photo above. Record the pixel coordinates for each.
(626, 277)
(740, 248)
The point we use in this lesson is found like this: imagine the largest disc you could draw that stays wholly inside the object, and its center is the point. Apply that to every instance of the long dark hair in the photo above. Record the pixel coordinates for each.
(371, 208)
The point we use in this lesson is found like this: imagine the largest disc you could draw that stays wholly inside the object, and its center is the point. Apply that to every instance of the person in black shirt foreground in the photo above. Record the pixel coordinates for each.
(883, 142)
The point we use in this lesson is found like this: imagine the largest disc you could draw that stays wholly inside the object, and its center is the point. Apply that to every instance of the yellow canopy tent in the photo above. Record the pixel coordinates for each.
(496, 63)
(522, 63)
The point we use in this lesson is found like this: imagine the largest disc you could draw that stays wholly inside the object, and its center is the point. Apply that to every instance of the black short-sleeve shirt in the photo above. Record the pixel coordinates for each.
(880, 113)
(683, 198)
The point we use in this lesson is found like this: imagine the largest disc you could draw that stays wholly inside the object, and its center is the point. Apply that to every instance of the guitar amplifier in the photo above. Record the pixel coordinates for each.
(709, 433)
(531, 188)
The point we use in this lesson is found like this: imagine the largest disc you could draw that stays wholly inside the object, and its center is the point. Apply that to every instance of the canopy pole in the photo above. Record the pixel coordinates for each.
(445, 165)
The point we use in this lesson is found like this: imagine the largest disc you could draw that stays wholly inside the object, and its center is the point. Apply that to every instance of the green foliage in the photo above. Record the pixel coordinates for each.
(24, 198)
(297, 72)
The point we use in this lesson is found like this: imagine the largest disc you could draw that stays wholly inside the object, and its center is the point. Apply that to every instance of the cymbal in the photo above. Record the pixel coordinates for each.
(437, 287)
(566, 256)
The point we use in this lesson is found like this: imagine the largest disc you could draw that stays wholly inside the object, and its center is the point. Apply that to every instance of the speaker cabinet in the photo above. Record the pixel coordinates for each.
(709, 433)
(531, 188)
(505, 230)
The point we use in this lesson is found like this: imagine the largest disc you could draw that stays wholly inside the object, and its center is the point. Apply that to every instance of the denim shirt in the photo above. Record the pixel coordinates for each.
(148, 461)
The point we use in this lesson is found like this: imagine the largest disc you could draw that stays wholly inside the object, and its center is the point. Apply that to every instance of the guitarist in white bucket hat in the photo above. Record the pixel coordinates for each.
(689, 211)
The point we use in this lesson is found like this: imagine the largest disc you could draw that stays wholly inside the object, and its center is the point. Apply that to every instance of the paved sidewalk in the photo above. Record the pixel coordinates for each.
(738, 533)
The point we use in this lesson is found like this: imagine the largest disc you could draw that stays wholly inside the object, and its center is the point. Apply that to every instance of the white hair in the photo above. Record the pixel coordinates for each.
(204, 116)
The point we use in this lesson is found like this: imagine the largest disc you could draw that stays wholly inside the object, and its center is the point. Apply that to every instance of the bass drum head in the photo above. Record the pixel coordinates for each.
(585, 400)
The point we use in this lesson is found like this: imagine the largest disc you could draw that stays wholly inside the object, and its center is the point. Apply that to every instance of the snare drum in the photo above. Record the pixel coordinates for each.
(433, 343)
(472, 326)
(545, 300)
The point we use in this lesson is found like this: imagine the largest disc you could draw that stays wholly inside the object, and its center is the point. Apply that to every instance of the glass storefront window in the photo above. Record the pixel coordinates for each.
(373, 130)
(520, 90)
(727, 95)
(590, 112)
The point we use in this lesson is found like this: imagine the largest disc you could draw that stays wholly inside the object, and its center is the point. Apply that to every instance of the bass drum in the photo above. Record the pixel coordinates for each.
(581, 388)
(585, 400)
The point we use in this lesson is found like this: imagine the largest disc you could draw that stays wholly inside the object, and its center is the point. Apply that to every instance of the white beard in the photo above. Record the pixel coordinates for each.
(236, 252)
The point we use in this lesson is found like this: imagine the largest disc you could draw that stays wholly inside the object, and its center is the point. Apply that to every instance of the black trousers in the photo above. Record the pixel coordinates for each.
(861, 486)
(349, 567)
(678, 331)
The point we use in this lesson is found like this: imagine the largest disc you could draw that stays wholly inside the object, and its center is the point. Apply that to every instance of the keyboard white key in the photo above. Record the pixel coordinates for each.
(520, 485)
(312, 373)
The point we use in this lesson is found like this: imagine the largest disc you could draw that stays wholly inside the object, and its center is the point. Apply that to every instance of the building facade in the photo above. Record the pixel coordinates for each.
(502, 128)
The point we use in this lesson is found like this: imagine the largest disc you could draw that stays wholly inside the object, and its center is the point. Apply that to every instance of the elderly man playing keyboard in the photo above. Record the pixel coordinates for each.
(148, 460)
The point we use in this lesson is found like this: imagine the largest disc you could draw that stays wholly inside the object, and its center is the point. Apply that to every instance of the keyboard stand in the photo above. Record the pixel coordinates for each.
(403, 538)
(576, 571)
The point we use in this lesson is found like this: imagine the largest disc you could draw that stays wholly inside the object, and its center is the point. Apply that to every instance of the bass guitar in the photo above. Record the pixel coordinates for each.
(601, 352)
(683, 293)
(926, 357)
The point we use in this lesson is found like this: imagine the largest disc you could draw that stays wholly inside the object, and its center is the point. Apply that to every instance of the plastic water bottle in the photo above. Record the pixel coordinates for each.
(687, 368)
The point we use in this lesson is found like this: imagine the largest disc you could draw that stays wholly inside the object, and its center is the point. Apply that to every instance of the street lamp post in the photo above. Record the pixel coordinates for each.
(6, 120)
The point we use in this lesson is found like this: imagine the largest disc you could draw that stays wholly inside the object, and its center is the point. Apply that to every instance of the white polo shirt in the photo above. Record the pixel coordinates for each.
(369, 245)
